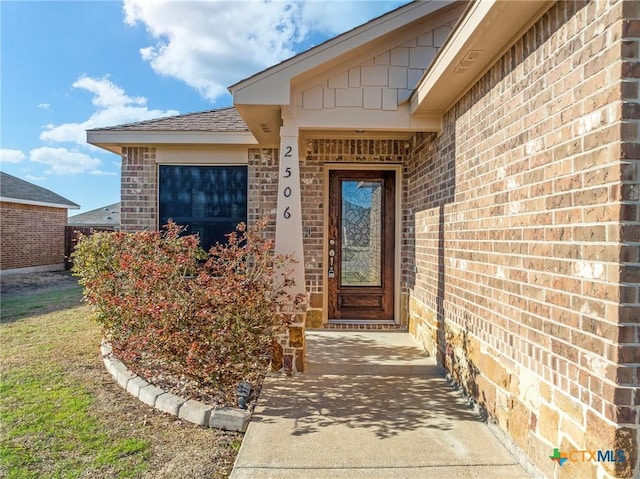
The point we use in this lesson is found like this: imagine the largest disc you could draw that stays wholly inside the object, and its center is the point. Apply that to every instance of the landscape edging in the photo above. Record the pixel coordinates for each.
(196, 412)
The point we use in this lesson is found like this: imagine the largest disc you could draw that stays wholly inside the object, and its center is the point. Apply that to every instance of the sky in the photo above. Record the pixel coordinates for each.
(69, 66)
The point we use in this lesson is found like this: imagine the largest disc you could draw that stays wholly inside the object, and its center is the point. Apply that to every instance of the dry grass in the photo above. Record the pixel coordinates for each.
(64, 416)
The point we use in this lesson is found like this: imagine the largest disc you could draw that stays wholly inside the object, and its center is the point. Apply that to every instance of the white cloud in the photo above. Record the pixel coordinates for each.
(115, 107)
(11, 156)
(211, 45)
(44, 106)
(62, 161)
(35, 178)
(344, 16)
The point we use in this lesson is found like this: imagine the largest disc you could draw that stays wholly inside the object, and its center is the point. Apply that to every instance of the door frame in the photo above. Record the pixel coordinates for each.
(397, 274)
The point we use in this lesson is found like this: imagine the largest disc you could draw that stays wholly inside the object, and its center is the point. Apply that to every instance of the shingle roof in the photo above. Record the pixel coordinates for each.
(106, 216)
(221, 120)
(16, 190)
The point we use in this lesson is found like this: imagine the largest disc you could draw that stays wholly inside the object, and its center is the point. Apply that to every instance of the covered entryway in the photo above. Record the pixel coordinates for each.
(361, 249)
(345, 105)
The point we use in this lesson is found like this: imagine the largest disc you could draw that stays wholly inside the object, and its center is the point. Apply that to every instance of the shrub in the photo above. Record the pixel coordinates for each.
(165, 303)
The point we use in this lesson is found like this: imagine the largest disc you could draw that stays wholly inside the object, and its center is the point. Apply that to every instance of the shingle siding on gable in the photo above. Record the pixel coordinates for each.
(381, 82)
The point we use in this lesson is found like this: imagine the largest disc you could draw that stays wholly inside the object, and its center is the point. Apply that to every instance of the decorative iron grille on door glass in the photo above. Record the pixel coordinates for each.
(208, 200)
(361, 233)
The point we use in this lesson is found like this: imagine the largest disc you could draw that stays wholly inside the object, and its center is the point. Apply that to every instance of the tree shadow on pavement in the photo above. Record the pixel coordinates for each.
(358, 382)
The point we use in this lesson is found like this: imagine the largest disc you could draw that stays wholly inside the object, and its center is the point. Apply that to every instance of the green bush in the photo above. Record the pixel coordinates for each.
(165, 303)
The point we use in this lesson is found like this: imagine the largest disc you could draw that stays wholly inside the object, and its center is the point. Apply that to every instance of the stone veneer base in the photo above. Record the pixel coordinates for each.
(229, 419)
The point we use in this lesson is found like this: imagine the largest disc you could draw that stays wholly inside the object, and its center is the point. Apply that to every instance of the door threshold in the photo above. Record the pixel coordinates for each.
(359, 321)
(359, 324)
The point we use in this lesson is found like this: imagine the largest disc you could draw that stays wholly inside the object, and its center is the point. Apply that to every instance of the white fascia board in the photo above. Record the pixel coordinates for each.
(272, 86)
(120, 137)
(487, 29)
(443, 62)
(38, 203)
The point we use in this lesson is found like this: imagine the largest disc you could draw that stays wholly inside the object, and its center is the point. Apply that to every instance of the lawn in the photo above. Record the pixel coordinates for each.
(62, 414)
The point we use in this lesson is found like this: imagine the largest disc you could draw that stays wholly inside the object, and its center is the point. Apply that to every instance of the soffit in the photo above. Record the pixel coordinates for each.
(114, 140)
(486, 30)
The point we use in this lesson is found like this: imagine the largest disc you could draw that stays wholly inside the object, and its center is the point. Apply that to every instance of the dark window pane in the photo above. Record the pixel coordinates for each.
(208, 200)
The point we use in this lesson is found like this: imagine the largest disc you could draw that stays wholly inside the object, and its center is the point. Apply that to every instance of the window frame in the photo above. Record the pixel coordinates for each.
(159, 166)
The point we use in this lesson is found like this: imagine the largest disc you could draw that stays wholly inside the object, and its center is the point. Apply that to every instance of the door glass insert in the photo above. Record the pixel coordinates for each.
(361, 253)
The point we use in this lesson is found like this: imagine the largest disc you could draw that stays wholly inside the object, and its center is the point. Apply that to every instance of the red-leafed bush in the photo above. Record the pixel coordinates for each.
(170, 309)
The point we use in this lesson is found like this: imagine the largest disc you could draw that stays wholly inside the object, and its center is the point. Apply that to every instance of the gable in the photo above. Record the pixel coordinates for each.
(372, 68)
(382, 80)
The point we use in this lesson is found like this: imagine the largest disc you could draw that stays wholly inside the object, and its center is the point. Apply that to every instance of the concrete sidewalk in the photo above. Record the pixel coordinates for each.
(370, 405)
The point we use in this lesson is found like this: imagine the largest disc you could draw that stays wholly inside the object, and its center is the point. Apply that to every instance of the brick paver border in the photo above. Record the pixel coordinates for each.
(229, 419)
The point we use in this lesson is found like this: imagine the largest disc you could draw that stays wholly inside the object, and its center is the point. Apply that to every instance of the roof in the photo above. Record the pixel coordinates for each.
(261, 96)
(220, 120)
(251, 89)
(105, 216)
(223, 126)
(15, 190)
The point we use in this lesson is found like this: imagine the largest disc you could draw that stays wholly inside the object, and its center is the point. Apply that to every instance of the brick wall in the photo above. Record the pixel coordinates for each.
(31, 235)
(627, 412)
(139, 189)
(318, 153)
(263, 187)
(514, 277)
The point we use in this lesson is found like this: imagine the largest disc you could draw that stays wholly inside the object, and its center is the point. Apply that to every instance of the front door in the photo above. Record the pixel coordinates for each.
(361, 245)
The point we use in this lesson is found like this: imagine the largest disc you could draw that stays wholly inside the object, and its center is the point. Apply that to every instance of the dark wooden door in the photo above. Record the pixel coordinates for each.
(361, 245)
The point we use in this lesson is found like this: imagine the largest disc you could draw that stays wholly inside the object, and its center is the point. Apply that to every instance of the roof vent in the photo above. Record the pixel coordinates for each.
(468, 60)
(265, 128)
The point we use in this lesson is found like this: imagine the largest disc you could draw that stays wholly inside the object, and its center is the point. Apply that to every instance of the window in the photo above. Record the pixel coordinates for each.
(208, 200)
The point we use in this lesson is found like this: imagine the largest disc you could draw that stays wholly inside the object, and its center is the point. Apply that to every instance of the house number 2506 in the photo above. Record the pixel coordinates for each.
(287, 191)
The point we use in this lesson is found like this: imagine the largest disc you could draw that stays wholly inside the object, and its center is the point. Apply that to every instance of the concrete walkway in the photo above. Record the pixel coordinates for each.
(371, 405)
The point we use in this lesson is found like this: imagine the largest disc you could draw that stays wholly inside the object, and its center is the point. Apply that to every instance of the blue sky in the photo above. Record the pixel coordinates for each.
(66, 66)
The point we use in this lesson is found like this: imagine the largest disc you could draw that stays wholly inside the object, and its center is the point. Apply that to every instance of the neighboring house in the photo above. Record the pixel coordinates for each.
(32, 221)
(107, 217)
(469, 171)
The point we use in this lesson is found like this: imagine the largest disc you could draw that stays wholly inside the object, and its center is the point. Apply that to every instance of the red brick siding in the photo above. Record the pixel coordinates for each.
(628, 354)
(318, 153)
(263, 187)
(516, 213)
(31, 235)
(139, 189)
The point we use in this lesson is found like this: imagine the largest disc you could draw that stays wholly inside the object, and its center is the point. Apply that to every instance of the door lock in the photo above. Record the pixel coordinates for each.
(332, 253)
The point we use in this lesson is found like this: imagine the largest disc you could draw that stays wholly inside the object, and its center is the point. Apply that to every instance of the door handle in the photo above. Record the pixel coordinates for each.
(332, 254)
